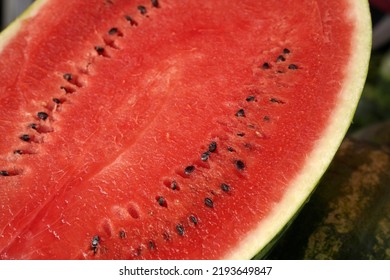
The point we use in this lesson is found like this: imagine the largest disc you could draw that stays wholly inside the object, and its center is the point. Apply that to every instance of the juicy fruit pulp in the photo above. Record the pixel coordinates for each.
(169, 129)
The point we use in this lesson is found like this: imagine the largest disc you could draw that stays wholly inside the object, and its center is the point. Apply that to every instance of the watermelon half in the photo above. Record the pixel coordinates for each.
(170, 129)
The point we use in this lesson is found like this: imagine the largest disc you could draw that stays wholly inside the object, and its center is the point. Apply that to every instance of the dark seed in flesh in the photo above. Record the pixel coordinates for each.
(180, 229)
(281, 58)
(293, 67)
(189, 169)
(213, 147)
(25, 137)
(250, 98)
(131, 20)
(240, 164)
(152, 245)
(95, 243)
(161, 201)
(230, 149)
(113, 31)
(225, 187)
(174, 185)
(155, 3)
(142, 9)
(286, 51)
(19, 152)
(275, 100)
(240, 113)
(42, 115)
(56, 100)
(241, 134)
(33, 126)
(209, 202)
(205, 156)
(99, 49)
(266, 118)
(4, 173)
(266, 65)
(193, 219)
(122, 234)
(68, 76)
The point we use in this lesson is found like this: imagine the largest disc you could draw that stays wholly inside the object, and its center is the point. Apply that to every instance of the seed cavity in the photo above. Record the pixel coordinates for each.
(113, 31)
(286, 51)
(180, 229)
(230, 149)
(99, 50)
(189, 169)
(67, 89)
(240, 134)
(240, 165)
(42, 115)
(209, 202)
(212, 147)
(68, 76)
(4, 173)
(161, 201)
(155, 4)
(293, 67)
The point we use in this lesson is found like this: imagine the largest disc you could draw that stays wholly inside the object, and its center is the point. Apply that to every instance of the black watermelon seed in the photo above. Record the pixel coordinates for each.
(230, 149)
(213, 147)
(205, 156)
(293, 67)
(113, 31)
(266, 65)
(131, 20)
(42, 115)
(33, 125)
(250, 98)
(67, 76)
(122, 234)
(99, 50)
(19, 152)
(280, 58)
(286, 51)
(193, 219)
(225, 187)
(152, 245)
(240, 113)
(56, 100)
(155, 3)
(180, 229)
(239, 164)
(161, 201)
(189, 169)
(142, 9)
(95, 243)
(275, 100)
(174, 185)
(4, 173)
(209, 202)
(241, 134)
(25, 137)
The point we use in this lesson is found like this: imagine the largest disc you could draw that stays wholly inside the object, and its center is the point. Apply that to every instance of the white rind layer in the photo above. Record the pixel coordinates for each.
(298, 192)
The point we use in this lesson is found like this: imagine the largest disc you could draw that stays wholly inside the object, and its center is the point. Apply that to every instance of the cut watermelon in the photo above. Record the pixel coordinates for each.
(170, 129)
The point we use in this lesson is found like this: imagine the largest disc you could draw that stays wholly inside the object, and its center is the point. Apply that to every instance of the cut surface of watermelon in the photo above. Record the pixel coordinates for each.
(170, 129)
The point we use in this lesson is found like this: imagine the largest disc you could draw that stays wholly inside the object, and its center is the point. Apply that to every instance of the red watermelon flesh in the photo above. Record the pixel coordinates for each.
(170, 129)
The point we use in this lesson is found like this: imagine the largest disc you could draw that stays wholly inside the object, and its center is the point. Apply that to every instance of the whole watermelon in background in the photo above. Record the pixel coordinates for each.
(170, 129)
